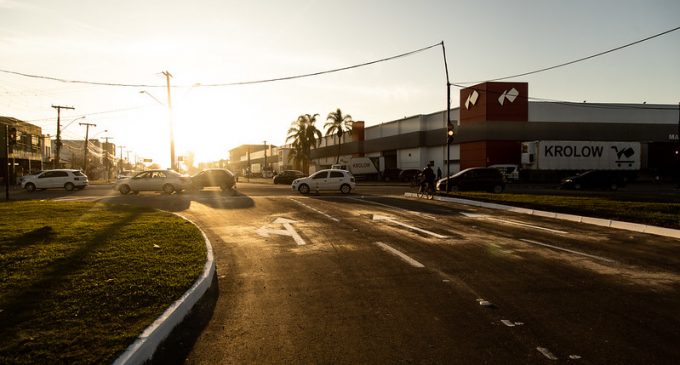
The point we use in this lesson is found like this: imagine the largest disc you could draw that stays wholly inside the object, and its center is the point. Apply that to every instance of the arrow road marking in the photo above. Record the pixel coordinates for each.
(377, 217)
(287, 230)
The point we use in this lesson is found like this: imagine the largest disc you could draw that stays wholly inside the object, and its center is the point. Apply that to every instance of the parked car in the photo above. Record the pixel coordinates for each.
(509, 171)
(391, 174)
(287, 176)
(408, 175)
(68, 179)
(223, 178)
(328, 180)
(166, 181)
(474, 178)
(595, 179)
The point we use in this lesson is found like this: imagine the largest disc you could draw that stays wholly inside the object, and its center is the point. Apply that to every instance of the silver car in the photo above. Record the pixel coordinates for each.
(68, 179)
(166, 181)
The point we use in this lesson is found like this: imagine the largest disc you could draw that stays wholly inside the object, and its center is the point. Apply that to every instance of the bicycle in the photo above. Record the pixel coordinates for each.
(426, 191)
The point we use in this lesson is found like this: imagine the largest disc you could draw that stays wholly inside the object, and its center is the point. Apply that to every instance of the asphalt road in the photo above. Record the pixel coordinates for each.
(373, 277)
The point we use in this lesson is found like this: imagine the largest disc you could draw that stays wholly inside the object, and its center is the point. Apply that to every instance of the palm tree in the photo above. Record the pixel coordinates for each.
(338, 125)
(304, 135)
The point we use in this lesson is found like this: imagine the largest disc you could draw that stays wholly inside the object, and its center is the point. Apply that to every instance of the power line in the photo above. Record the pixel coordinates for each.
(229, 83)
(577, 60)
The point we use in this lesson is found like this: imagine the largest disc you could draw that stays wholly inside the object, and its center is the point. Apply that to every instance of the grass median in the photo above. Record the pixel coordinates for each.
(80, 281)
(662, 211)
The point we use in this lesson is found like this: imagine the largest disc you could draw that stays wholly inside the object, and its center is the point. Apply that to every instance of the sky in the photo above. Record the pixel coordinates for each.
(207, 42)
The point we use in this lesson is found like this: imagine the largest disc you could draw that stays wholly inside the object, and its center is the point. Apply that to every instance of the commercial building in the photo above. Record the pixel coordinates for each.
(27, 153)
(493, 120)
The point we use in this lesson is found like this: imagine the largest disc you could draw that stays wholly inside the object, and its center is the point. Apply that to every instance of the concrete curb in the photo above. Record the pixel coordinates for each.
(146, 344)
(635, 227)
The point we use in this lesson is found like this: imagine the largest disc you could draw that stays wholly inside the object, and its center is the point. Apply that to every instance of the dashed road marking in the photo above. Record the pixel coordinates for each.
(567, 250)
(400, 254)
(316, 210)
(549, 355)
(377, 217)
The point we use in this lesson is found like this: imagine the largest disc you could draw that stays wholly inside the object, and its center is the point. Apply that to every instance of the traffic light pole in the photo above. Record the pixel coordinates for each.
(6, 162)
(449, 130)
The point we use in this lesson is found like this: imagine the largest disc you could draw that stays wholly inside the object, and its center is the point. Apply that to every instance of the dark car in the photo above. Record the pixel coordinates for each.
(391, 174)
(474, 178)
(408, 175)
(214, 177)
(287, 176)
(595, 179)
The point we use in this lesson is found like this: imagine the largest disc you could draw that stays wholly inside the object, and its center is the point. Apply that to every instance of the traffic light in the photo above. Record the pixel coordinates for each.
(12, 138)
(450, 133)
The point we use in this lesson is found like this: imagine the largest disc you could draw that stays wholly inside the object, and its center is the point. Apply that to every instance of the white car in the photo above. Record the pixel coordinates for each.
(167, 181)
(60, 178)
(325, 180)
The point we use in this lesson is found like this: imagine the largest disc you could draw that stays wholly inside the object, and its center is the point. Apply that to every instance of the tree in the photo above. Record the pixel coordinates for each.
(338, 125)
(304, 135)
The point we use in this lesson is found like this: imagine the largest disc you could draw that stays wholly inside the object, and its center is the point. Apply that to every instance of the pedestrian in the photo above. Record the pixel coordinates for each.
(439, 173)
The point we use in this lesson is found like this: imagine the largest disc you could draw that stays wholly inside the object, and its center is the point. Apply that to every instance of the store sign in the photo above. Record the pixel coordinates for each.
(672, 137)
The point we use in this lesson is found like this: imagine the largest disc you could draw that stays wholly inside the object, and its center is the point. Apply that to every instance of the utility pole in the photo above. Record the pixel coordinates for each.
(87, 133)
(107, 163)
(57, 158)
(121, 156)
(168, 75)
(265, 157)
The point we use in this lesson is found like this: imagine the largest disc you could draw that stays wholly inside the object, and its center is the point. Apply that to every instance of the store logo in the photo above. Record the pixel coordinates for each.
(472, 99)
(509, 95)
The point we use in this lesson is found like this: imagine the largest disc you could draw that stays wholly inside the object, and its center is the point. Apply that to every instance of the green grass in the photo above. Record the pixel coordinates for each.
(80, 281)
(652, 210)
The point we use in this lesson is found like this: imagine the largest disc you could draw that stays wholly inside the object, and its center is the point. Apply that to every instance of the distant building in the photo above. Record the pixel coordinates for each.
(26, 155)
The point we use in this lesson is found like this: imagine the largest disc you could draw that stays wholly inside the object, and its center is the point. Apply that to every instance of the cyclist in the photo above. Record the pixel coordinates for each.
(428, 179)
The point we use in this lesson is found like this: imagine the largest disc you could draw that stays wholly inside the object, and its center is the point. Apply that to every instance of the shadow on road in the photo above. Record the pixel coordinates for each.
(181, 202)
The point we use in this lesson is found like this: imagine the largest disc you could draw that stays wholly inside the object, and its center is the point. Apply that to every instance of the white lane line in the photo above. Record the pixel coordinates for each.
(394, 221)
(418, 214)
(316, 210)
(546, 353)
(567, 250)
(400, 254)
(506, 221)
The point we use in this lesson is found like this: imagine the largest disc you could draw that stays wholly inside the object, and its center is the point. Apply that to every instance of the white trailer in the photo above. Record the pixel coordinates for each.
(581, 155)
(360, 167)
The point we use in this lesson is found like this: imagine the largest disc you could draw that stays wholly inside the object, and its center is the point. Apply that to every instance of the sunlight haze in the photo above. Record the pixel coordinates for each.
(217, 42)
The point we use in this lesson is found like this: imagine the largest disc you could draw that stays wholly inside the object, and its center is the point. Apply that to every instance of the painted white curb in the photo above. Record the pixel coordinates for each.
(635, 227)
(144, 347)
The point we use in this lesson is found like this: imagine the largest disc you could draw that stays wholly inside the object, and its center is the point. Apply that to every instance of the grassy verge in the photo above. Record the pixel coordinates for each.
(79, 281)
(652, 210)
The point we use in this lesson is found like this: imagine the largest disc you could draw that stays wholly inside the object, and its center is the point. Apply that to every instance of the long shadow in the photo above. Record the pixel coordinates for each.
(17, 308)
(182, 201)
(178, 345)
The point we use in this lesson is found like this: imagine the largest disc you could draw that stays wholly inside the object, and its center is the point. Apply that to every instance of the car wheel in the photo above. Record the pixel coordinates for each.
(497, 189)
(30, 187)
(69, 186)
(225, 187)
(124, 189)
(303, 189)
(345, 189)
(168, 188)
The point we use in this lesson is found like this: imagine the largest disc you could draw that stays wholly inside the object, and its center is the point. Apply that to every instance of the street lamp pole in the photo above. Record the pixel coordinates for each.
(168, 75)
(449, 127)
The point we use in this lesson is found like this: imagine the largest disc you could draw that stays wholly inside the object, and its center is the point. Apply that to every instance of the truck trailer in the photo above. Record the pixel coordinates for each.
(551, 160)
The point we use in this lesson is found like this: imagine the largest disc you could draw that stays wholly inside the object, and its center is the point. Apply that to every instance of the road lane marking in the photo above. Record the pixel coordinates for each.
(287, 230)
(546, 353)
(411, 212)
(377, 217)
(506, 221)
(400, 254)
(316, 210)
(568, 250)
